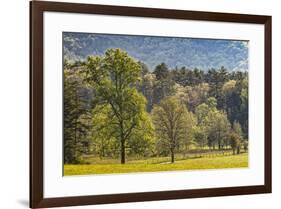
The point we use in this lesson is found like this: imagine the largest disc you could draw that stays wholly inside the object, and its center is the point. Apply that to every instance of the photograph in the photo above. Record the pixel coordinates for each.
(134, 103)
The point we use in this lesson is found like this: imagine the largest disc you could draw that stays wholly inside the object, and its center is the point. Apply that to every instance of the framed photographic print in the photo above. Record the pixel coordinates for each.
(138, 104)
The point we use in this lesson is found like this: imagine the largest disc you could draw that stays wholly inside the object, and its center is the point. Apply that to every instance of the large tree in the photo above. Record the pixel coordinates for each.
(114, 78)
(172, 123)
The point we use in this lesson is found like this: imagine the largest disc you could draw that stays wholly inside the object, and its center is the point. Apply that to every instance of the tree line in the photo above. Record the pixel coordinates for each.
(115, 107)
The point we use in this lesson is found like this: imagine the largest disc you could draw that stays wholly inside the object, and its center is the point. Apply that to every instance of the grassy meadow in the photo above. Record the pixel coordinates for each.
(107, 166)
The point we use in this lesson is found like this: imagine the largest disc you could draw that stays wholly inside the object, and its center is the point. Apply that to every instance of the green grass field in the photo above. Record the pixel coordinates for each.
(157, 164)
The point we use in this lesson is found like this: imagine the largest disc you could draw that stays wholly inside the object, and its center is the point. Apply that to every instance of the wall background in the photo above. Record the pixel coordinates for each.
(14, 105)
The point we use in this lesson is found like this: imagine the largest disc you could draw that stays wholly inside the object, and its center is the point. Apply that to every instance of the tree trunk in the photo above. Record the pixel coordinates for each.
(122, 138)
(238, 150)
(233, 151)
(172, 156)
(122, 151)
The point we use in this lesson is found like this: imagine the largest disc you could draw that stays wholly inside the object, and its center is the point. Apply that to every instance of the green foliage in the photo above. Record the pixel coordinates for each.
(217, 127)
(201, 112)
(173, 124)
(234, 142)
(142, 141)
(200, 136)
(163, 88)
(76, 111)
(236, 102)
(212, 103)
(147, 89)
(161, 71)
(229, 87)
(103, 135)
(237, 128)
(114, 78)
(196, 95)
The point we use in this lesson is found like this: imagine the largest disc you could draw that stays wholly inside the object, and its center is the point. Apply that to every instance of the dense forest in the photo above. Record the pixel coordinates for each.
(116, 107)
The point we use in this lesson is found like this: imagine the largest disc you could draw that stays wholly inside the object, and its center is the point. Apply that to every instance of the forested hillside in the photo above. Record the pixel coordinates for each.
(203, 54)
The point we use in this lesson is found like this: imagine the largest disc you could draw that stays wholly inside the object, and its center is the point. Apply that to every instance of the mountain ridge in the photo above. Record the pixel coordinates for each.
(192, 53)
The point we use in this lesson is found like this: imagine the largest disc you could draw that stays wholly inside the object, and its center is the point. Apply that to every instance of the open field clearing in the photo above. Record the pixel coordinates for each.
(159, 164)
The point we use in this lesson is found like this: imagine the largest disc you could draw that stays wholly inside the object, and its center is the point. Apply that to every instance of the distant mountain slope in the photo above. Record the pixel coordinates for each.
(200, 53)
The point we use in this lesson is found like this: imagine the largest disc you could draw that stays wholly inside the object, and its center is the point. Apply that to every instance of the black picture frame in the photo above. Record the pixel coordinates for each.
(37, 8)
